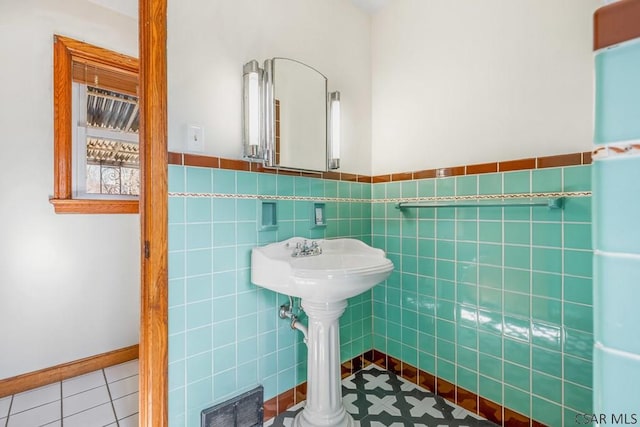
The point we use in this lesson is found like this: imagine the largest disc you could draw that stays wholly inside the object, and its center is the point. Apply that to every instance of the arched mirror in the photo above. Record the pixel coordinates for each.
(288, 117)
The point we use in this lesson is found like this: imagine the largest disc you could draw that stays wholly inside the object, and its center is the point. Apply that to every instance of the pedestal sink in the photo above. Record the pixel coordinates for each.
(323, 278)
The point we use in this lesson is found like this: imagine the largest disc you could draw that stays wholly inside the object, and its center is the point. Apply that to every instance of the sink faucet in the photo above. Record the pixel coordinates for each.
(306, 249)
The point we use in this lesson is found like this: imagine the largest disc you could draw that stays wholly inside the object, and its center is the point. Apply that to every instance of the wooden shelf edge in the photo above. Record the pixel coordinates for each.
(92, 206)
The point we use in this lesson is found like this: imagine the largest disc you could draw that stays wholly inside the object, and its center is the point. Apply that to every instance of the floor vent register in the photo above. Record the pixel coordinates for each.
(245, 410)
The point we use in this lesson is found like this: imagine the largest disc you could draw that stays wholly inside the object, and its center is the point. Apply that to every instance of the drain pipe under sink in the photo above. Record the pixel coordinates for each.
(295, 324)
(286, 312)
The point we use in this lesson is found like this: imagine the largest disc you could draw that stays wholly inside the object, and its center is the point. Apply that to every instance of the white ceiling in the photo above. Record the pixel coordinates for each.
(370, 6)
(130, 7)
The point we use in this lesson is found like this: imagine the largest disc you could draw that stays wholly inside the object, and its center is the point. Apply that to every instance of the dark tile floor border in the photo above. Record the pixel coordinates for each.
(451, 392)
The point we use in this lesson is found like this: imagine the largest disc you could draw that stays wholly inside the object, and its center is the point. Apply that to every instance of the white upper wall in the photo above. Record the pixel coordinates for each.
(69, 284)
(424, 83)
(464, 81)
(210, 40)
(454, 82)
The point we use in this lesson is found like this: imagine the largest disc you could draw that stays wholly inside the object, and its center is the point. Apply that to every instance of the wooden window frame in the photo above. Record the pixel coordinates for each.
(66, 51)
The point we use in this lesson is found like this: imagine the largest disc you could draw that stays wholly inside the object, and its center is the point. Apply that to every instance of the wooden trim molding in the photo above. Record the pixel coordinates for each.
(616, 23)
(66, 52)
(88, 206)
(62, 128)
(90, 54)
(65, 371)
(153, 396)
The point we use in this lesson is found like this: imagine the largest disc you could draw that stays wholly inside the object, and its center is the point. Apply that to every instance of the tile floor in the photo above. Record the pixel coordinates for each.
(378, 398)
(108, 397)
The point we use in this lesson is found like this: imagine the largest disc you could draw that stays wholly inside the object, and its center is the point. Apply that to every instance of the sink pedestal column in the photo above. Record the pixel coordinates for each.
(324, 388)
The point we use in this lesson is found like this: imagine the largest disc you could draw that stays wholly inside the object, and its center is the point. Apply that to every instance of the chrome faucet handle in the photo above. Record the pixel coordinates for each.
(306, 248)
(297, 250)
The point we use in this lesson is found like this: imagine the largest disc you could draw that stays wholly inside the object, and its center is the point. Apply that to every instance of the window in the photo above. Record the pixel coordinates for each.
(96, 119)
(105, 148)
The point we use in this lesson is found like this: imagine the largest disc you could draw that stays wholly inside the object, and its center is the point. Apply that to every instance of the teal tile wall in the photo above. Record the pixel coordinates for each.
(617, 93)
(225, 336)
(495, 300)
(616, 241)
(616, 291)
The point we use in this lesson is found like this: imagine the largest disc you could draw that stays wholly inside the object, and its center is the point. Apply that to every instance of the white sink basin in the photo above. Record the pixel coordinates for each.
(345, 268)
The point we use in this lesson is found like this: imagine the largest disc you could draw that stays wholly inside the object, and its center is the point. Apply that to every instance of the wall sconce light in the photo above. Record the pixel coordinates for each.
(252, 100)
(269, 115)
(333, 161)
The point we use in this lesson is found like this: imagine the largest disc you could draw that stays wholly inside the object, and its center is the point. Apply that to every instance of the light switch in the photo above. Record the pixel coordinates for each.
(195, 139)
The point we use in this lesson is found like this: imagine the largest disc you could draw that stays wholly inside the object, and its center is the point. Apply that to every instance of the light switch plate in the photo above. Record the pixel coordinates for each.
(195, 139)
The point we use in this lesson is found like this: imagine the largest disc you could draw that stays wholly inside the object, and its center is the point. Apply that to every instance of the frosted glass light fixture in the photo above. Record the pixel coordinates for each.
(333, 161)
(268, 115)
(252, 99)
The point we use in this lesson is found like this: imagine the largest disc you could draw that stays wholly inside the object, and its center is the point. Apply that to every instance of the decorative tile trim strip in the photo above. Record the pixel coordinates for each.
(616, 23)
(484, 197)
(572, 159)
(618, 149)
(467, 399)
(185, 159)
(557, 161)
(270, 197)
(387, 200)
